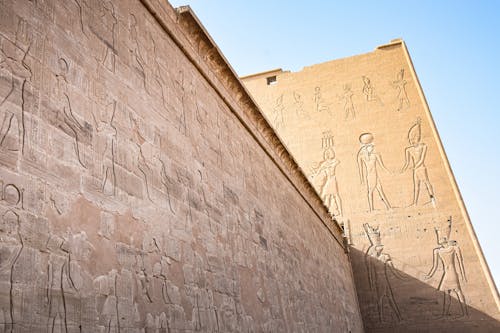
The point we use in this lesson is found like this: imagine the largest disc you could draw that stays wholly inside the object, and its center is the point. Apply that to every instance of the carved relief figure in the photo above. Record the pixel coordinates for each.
(348, 103)
(107, 301)
(67, 120)
(368, 160)
(278, 109)
(378, 274)
(400, 86)
(299, 106)
(414, 158)
(142, 163)
(325, 180)
(369, 91)
(12, 130)
(319, 102)
(448, 257)
(108, 132)
(11, 246)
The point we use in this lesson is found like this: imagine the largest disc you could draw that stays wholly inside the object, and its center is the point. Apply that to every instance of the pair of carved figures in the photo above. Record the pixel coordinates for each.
(369, 161)
(447, 258)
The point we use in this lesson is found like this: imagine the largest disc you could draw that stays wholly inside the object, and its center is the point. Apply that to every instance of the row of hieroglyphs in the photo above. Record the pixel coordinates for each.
(345, 99)
(447, 264)
(369, 161)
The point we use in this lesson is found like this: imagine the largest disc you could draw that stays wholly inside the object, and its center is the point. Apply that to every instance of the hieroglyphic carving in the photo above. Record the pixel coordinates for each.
(415, 158)
(448, 256)
(368, 160)
(67, 120)
(324, 178)
(378, 274)
(12, 130)
(369, 91)
(277, 114)
(400, 85)
(319, 102)
(299, 106)
(108, 132)
(348, 104)
(11, 194)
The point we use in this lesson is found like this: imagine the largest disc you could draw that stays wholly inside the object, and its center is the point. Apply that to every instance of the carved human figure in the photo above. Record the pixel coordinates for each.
(107, 301)
(324, 176)
(11, 246)
(379, 274)
(107, 131)
(69, 285)
(448, 256)
(278, 109)
(299, 105)
(12, 127)
(59, 284)
(319, 102)
(348, 103)
(368, 160)
(142, 164)
(400, 85)
(415, 158)
(369, 91)
(67, 120)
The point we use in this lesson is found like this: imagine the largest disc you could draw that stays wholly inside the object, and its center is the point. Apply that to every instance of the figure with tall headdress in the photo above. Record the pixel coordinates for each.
(400, 86)
(368, 160)
(378, 274)
(414, 158)
(326, 182)
(448, 254)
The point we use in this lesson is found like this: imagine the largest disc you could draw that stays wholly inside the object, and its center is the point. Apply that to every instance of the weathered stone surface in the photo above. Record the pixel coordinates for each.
(361, 130)
(142, 191)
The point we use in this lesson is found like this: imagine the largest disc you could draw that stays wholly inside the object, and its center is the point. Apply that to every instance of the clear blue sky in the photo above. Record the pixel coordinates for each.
(455, 47)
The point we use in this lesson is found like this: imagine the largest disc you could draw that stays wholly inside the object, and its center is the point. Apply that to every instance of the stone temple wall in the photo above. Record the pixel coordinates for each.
(141, 190)
(361, 130)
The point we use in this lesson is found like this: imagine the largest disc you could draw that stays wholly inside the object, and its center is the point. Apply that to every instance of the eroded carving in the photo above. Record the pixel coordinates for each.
(67, 120)
(348, 104)
(448, 257)
(319, 102)
(299, 106)
(400, 85)
(277, 113)
(368, 160)
(12, 130)
(11, 194)
(378, 274)
(11, 246)
(415, 159)
(107, 132)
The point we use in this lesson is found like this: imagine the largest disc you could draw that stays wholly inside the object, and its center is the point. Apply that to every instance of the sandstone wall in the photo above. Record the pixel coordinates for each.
(360, 129)
(140, 191)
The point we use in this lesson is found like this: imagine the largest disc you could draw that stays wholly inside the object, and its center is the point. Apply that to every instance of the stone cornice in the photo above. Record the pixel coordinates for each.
(188, 33)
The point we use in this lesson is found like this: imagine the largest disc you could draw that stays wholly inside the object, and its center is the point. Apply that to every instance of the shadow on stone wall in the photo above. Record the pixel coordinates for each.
(393, 301)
